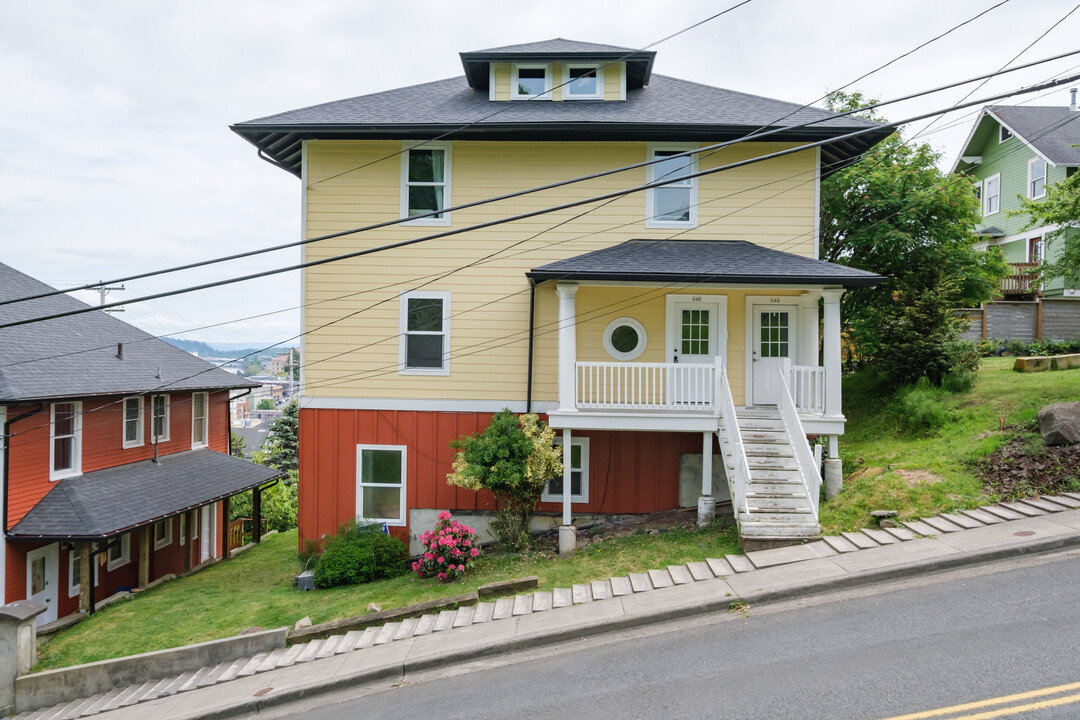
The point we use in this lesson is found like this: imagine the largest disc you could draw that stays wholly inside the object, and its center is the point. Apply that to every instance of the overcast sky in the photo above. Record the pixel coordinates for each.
(116, 156)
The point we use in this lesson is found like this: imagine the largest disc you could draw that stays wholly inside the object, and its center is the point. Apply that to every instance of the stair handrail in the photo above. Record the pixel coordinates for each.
(804, 458)
(739, 476)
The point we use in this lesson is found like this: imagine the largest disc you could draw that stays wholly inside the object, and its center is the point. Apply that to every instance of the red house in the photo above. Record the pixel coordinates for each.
(115, 457)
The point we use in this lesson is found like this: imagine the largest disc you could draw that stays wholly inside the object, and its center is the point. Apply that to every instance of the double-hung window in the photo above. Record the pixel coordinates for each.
(65, 457)
(582, 82)
(162, 533)
(159, 418)
(1036, 178)
(380, 483)
(529, 82)
(673, 205)
(120, 553)
(133, 421)
(579, 474)
(200, 404)
(992, 195)
(425, 182)
(424, 333)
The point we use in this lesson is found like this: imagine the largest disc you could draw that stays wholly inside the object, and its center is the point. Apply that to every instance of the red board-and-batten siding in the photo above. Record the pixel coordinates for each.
(629, 472)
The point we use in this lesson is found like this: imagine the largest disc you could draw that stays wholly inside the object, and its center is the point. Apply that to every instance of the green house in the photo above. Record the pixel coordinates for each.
(1015, 152)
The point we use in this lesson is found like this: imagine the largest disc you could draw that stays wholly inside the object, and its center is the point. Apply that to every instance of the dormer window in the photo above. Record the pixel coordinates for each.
(582, 82)
(530, 81)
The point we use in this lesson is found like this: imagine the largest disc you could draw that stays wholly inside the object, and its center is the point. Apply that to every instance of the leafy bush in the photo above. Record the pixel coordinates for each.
(958, 382)
(921, 408)
(1017, 348)
(278, 505)
(988, 346)
(359, 554)
(448, 550)
(924, 341)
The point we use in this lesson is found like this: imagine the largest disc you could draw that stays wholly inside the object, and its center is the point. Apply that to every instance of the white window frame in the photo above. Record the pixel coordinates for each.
(202, 442)
(446, 184)
(181, 529)
(597, 69)
(166, 537)
(643, 338)
(125, 554)
(73, 562)
(583, 443)
(403, 319)
(140, 423)
(546, 67)
(1031, 179)
(76, 448)
(1004, 133)
(360, 484)
(987, 196)
(154, 437)
(692, 184)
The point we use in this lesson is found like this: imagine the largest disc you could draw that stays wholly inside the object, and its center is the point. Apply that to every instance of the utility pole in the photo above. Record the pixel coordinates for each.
(104, 290)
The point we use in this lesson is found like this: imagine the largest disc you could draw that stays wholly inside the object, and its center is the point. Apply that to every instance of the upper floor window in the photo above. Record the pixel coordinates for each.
(1004, 133)
(1035, 250)
(1037, 178)
(133, 421)
(159, 418)
(65, 458)
(530, 81)
(199, 409)
(425, 183)
(673, 205)
(425, 333)
(582, 82)
(992, 194)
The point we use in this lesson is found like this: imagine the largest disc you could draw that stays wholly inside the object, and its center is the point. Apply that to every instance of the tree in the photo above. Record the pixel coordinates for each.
(237, 445)
(514, 458)
(1061, 206)
(282, 441)
(896, 214)
(265, 404)
(253, 369)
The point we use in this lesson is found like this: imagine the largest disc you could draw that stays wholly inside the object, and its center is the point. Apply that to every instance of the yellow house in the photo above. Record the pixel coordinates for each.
(631, 255)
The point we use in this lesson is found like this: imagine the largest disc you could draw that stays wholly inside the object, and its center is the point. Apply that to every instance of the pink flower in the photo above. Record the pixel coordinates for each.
(474, 552)
(427, 556)
(444, 515)
(441, 560)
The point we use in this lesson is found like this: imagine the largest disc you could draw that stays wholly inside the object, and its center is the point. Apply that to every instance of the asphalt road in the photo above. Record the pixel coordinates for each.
(964, 637)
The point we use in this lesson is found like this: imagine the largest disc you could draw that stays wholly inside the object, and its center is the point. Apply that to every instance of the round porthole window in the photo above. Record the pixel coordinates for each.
(625, 338)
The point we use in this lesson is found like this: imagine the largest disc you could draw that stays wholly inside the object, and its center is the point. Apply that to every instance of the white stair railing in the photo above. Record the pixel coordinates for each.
(738, 468)
(804, 459)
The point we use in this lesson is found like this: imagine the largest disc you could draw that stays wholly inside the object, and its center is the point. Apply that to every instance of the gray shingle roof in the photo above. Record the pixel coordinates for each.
(1051, 130)
(702, 261)
(560, 46)
(104, 502)
(76, 356)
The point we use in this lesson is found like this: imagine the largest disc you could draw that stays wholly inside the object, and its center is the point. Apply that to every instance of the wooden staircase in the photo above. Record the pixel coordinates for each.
(777, 510)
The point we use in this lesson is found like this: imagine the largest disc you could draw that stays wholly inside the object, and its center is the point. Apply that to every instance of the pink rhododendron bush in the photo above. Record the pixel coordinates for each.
(448, 550)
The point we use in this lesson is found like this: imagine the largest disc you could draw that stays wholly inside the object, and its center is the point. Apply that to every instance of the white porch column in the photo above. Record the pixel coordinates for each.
(567, 351)
(706, 464)
(808, 329)
(832, 351)
(567, 461)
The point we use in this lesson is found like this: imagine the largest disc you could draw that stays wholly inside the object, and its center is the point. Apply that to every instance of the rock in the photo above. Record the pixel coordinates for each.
(886, 523)
(879, 514)
(304, 622)
(373, 608)
(251, 630)
(305, 580)
(1059, 423)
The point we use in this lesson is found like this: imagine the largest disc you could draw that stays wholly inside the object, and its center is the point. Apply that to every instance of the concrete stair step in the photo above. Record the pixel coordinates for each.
(121, 697)
(621, 586)
(79, 707)
(1022, 509)
(962, 520)
(739, 563)
(680, 575)
(699, 570)
(720, 567)
(504, 608)
(137, 696)
(328, 647)
(408, 627)
(920, 528)
(155, 691)
(941, 524)
(660, 579)
(212, 677)
(880, 536)
(386, 634)
(562, 597)
(464, 616)
(860, 540)
(522, 605)
(1002, 512)
(427, 623)
(272, 662)
(367, 639)
(840, 544)
(1068, 502)
(104, 701)
(983, 517)
(348, 643)
(581, 593)
(900, 533)
(1040, 504)
(306, 655)
(774, 529)
(542, 600)
(640, 582)
(484, 612)
(194, 680)
(173, 687)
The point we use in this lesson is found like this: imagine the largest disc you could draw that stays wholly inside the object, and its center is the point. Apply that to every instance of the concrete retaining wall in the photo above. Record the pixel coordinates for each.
(46, 688)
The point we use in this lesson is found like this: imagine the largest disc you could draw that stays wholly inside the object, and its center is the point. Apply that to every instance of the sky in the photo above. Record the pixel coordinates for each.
(116, 155)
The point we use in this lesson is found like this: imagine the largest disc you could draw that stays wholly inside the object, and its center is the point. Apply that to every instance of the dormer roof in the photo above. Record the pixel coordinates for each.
(1051, 131)
(638, 62)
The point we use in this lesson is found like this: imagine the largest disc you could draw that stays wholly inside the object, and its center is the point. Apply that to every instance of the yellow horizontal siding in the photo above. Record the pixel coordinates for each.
(613, 80)
(502, 81)
(352, 311)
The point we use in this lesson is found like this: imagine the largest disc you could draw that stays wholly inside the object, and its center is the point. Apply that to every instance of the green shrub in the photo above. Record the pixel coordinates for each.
(359, 554)
(958, 382)
(987, 346)
(921, 408)
(1017, 348)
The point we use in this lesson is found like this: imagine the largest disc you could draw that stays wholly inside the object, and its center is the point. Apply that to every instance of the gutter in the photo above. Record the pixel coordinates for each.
(7, 456)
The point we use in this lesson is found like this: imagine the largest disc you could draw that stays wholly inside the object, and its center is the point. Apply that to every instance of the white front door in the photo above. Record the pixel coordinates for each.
(696, 333)
(43, 578)
(773, 338)
(206, 532)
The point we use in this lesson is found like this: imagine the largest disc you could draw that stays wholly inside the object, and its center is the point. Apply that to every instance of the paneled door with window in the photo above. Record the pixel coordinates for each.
(42, 578)
(696, 334)
(774, 336)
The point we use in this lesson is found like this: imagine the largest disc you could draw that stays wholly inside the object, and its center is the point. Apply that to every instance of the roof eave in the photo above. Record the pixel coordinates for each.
(697, 278)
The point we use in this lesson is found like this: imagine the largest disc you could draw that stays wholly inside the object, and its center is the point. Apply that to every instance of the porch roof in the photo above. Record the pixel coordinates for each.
(98, 504)
(702, 261)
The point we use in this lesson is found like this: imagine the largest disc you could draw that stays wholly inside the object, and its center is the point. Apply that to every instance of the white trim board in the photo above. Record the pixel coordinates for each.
(421, 404)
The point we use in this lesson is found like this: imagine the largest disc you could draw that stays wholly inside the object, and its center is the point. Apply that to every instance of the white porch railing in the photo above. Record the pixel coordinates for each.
(804, 458)
(808, 388)
(679, 387)
(738, 471)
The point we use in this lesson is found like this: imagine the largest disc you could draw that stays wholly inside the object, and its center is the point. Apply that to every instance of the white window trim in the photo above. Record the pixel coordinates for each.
(205, 440)
(398, 521)
(167, 539)
(76, 454)
(1046, 171)
(125, 554)
(987, 195)
(650, 205)
(73, 560)
(141, 423)
(165, 437)
(546, 67)
(599, 69)
(403, 319)
(447, 148)
(642, 335)
(583, 443)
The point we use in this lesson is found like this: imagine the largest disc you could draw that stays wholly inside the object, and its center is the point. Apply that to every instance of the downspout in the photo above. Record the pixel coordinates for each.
(532, 317)
(7, 455)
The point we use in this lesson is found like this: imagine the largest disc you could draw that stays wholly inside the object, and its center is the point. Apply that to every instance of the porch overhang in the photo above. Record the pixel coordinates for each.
(629, 420)
(100, 504)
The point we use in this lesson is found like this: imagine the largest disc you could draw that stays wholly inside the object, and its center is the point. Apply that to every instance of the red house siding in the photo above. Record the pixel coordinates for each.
(629, 472)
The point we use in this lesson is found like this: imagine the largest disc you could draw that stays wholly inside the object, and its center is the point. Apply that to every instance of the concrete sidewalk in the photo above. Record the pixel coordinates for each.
(756, 577)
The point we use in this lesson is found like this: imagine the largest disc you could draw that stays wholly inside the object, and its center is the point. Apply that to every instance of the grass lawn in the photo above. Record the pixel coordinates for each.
(253, 590)
(888, 467)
